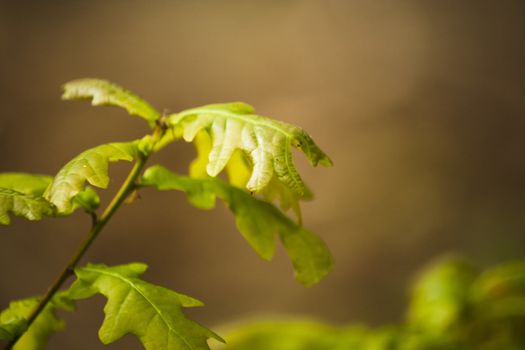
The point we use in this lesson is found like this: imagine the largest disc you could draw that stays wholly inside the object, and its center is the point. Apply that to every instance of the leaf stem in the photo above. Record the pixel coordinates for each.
(127, 187)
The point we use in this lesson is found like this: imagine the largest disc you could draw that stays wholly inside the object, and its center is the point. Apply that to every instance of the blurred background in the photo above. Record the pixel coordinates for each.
(420, 104)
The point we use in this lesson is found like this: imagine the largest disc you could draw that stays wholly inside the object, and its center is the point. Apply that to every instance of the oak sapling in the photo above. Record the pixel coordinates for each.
(263, 187)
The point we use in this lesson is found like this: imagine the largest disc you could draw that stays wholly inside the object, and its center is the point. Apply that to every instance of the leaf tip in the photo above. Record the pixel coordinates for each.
(326, 161)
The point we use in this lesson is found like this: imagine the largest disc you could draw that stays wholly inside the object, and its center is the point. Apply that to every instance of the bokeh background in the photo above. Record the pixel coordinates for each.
(421, 105)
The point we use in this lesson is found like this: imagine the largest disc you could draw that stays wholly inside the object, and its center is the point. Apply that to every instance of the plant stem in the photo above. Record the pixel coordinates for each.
(127, 187)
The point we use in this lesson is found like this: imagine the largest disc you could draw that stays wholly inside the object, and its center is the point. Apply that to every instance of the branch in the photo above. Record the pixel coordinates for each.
(127, 187)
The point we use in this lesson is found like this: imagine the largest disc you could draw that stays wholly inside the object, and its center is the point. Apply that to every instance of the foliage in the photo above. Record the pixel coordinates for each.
(257, 220)
(104, 93)
(150, 312)
(90, 166)
(21, 194)
(268, 142)
(255, 151)
(453, 306)
(13, 321)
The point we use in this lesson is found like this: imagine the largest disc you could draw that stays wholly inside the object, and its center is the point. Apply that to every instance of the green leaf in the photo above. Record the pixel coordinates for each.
(150, 312)
(440, 295)
(453, 307)
(105, 93)
(257, 220)
(501, 281)
(87, 200)
(310, 256)
(28, 206)
(11, 327)
(288, 335)
(30, 184)
(239, 172)
(13, 322)
(266, 142)
(499, 292)
(90, 166)
(21, 194)
(297, 334)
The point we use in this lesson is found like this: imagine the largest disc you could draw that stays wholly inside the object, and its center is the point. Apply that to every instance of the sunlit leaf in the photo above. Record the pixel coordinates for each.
(202, 142)
(21, 194)
(265, 141)
(30, 184)
(105, 93)
(90, 166)
(239, 170)
(25, 205)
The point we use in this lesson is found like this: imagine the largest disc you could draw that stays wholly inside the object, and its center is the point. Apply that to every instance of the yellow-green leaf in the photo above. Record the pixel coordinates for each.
(13, 322)
(21, 194)
(89, 166)
(257, 220)
(150, 312)
(265, 141)
(105, 93)
(30, 184)
(30, 207)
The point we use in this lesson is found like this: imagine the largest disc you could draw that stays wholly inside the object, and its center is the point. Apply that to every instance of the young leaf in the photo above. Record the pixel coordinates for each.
(13, 322)
(90, 166)
(150, 312)
(87, 200)
(257, 220)
(21, 193)
(30, 184)
(25, 205)
(105, 93)
(202, 142)
(239, 171)
(265, 141)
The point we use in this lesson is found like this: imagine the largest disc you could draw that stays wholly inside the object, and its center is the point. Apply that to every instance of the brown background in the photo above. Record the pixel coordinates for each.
(420, 103)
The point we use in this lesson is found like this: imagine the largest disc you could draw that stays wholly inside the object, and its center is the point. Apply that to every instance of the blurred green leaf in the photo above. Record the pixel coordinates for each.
(502, 281)
(13, 322)
(440, 295)
(277, 335)
(453, 307)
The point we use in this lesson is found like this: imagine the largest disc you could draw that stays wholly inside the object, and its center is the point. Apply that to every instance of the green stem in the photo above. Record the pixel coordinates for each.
(127, 187)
